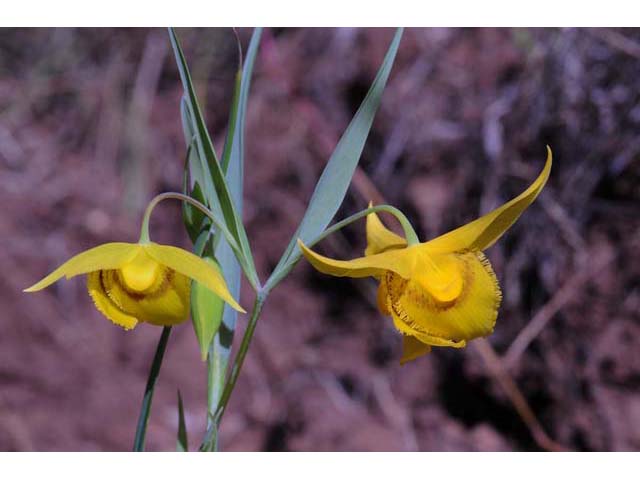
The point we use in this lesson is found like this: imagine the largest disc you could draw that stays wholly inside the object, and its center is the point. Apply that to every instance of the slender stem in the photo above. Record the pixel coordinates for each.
(251, 274)
(144, 229)
(216, 369)
(409, 233)
(239, 359)
(210, 440)
(145, 409)
(210, 436)
(213, 381)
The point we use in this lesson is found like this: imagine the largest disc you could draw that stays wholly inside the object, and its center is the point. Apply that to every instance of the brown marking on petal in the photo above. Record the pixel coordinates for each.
(112, 277)
(396, 286)
(417, 309)
(419, 296)
(106, 282)
(400, 289)
(107, 294)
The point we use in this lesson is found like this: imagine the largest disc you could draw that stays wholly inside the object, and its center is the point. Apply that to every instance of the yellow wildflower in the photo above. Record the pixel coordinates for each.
(442, 292)
(141, 282)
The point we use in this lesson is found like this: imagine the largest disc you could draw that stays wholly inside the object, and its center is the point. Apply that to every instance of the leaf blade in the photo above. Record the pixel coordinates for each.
(220, 350)
(206, 311)
(182, 444)
(205, 148)
(336, 176)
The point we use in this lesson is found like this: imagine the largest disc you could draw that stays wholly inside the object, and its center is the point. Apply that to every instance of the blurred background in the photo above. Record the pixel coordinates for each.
(90, 131)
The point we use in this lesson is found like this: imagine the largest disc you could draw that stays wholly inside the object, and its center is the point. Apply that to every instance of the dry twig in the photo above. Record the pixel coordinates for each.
(517, 399)
(547, 312)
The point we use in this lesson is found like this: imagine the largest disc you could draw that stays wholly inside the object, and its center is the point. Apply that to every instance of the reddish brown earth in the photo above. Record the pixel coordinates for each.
(90, 130)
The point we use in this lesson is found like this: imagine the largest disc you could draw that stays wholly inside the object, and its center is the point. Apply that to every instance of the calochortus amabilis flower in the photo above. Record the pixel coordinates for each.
(141, 282)
(442, 292)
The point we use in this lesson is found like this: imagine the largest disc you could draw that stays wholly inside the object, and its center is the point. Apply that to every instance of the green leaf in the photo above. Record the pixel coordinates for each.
(183, 441)
(195, 168)
(336, 177)
(233, 162)
(206, 311)
(207, 152)
(145, 407)
(197, 179)
(194, 219)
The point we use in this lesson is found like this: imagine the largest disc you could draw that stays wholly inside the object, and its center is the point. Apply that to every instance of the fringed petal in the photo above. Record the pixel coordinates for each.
(166, 303)
(105, 305)
(471, 314)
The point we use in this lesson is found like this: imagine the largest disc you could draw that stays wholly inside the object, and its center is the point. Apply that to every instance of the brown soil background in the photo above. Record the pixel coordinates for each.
(90, 131)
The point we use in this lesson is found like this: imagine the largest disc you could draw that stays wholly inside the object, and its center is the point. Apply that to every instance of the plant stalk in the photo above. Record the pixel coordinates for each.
(410, 235)
(250, 272)
(216, 369)
(211, 435)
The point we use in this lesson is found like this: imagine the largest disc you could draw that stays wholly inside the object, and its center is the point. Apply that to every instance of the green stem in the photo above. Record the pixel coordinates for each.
(145, 409)
(251, 274)
(211, 434)
(210, 440)
(216, 368)
(409, 233)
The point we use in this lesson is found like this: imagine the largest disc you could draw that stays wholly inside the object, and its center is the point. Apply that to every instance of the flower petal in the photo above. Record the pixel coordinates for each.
(483, 232)
(444, 321)
(412, 348)
(193, 267)
(102, 257)
(426, 338)
(167, 303)
(379, 237)
(382, 299)
(400, 261)
(105, 305)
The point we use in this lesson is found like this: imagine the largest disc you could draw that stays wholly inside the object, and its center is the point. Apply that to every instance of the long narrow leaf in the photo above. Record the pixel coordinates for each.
(336, 177)
(234, 155)
(197, 169)
(145, 408)
(234, 151)
(199, 185)
(183, 441)
(205, 147)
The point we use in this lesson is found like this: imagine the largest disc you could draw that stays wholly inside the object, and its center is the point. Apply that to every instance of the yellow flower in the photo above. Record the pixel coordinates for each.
(141, 282)
(442, 292)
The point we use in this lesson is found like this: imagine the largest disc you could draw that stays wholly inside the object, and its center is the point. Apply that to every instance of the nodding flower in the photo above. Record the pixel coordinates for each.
(442, 292)
(141, 282)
